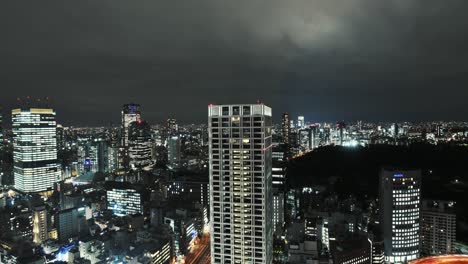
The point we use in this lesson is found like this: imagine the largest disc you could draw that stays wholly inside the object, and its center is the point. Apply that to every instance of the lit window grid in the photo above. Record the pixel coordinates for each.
(240, 248)
(34, 140)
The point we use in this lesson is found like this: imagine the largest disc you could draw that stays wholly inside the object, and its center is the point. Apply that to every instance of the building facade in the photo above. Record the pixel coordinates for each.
(241, 209)
(400, 207)
(438, 228)
(124, 198)
(173, 151)
(139, 145)
(35, 149)
(286, 128)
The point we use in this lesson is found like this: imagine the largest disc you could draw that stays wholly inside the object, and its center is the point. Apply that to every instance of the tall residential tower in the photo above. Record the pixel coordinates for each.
(240, 183)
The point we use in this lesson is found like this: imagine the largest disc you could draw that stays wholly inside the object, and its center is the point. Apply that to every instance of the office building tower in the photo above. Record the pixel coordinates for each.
(71, 223)
(286, 128)
(40, 232)
(172, 127)
(438, 228)
(130, 113)
(35, 149)
(124, 198)
(300, 122)
(400, 192)
(87, 154)
(105, 156)
(173, 151)
(140, 143)
(241, 214)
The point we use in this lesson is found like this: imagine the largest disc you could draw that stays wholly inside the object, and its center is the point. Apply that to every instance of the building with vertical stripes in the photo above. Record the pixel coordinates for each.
(241, 202)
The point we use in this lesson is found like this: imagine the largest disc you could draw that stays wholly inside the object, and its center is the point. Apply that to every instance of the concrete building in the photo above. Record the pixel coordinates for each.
(40, 231)
(124, 198)
(400, 194)
(241, 210)
(438, 228)
(173, 151)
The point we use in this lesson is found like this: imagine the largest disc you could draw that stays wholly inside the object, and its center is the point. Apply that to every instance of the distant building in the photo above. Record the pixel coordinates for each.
(87, 156)
(173, 151)
(438, 228)
(300, 122)
(400, 192)
(124, 198)
(139, 145)
(71, 223)
(1, 134)
(279, 162)
(35, 149)
(278, 212)
(241, 192)
(94, 250)
(184, 232)
(40, 231)
(130, 113)
(352, 251)
(172, 127)
(286, 128)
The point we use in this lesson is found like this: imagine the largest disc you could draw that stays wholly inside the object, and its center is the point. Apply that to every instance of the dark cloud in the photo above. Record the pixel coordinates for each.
(326, 59)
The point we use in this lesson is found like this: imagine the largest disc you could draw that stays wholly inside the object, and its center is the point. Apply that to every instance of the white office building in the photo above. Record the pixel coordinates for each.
(241, 208)
(400, 206)
(300, 122)
(35, 149)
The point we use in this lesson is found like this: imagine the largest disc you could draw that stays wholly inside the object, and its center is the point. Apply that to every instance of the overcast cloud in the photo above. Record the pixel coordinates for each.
(325, 59)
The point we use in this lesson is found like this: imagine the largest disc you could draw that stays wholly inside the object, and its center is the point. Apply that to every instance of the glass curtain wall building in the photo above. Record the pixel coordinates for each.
(35, 149)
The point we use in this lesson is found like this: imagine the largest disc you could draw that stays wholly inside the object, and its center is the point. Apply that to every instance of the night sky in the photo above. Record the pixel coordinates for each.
(325, 59)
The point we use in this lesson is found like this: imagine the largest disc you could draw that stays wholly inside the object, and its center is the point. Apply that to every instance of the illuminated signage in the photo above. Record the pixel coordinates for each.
(398, 175)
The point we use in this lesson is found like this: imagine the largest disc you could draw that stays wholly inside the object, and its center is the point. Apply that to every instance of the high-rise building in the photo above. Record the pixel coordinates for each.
(279, 158)
(71, 223)
(60, 137)
(300, 122)
(35, 149)
(40, 231)
(139, 145)
(172, 127)
(1, 131)
(87, 155)
(130, 113)
(173, 151)
(400, 192)
(286, 128)
(278, 212)
(241, 214)
(438, 228)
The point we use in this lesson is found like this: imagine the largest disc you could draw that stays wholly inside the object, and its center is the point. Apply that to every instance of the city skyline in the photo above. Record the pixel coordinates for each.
(232, 132)
(322, 59)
